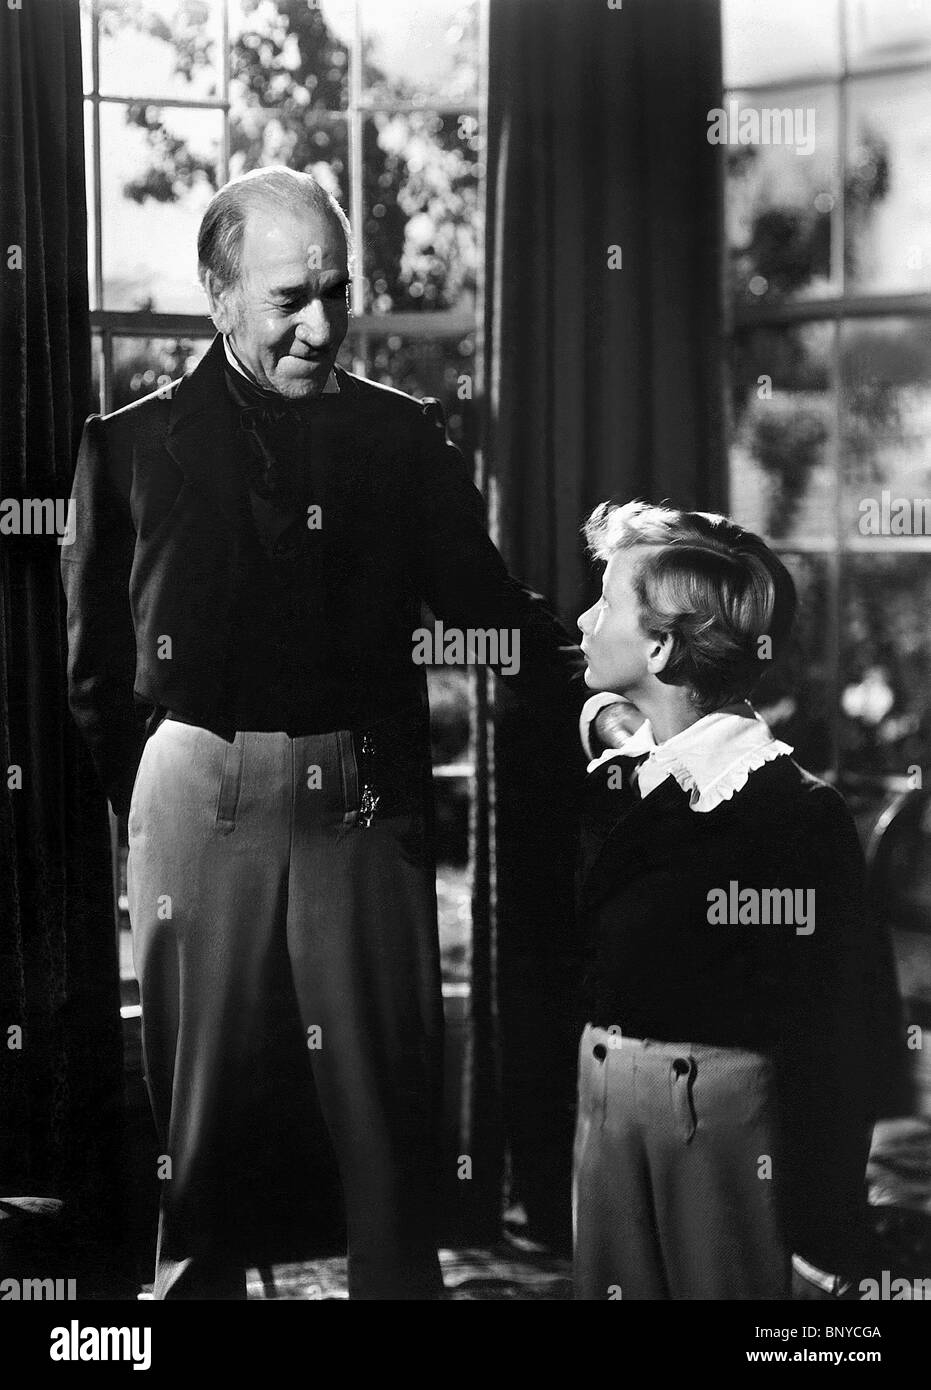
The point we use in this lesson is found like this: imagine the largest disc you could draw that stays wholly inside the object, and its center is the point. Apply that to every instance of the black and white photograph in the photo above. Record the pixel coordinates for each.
(465, 670)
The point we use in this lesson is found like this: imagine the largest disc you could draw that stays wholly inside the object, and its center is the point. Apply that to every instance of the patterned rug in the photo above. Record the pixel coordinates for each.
(899, 1176)
(510, 1271)
(518, 1270)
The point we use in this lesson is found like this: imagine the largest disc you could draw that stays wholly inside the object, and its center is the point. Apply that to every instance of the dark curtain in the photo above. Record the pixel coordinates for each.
(600, 383)
(61, 1092)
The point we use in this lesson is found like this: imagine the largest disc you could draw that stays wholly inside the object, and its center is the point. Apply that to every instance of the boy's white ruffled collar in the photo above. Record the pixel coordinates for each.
(711, 759)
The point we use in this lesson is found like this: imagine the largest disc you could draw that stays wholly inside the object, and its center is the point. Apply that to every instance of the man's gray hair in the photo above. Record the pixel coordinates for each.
(219, 241)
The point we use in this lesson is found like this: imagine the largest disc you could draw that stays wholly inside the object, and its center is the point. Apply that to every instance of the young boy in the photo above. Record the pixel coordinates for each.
(724, 1109)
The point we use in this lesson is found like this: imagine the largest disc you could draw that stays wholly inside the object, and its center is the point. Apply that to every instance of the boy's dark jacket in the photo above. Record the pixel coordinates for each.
(824, 1005)
(161, 507)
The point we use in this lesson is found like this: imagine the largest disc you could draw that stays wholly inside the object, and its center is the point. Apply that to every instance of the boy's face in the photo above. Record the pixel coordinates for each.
(615, 645)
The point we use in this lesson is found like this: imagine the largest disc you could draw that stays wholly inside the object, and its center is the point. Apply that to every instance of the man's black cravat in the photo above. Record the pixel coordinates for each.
(277, 456)
(281, 653)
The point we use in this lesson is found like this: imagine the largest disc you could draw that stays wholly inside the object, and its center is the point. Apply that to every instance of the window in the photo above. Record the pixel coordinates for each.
(828, 224)
(383, 103)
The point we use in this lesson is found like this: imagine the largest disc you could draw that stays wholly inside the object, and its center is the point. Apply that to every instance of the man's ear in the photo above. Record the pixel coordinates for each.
(222, 309)
(660, 653)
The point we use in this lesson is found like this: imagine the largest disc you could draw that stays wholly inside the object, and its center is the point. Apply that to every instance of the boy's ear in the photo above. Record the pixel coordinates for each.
(660, 652)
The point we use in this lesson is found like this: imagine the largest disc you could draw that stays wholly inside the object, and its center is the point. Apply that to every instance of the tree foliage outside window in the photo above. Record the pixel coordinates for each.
(287, 97)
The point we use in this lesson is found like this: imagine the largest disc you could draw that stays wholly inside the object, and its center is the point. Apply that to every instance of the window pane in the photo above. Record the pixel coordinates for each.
(421, 208)
(158, 171)
(286, 60)
(450, 690)
(886, 376)
(888, 189)
(425, 51)
(427, 367)
(97, 372)
(884, 32)
(317, 143)
(161, 48)
(780, 198)
(142, 365)
(766, 43)
(454, 899)
(450, 737)
(782, 459)
(795, 698)
(87, 66)
(885, 715)
(92, 286)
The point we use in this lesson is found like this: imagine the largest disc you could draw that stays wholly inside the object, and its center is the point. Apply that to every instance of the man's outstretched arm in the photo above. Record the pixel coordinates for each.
(467, 584)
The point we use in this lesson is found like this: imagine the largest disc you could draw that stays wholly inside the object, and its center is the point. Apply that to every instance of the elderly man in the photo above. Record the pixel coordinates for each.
(253, 547)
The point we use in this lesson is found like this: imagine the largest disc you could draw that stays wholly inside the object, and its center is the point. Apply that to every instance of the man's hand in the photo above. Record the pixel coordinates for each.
(615, 723)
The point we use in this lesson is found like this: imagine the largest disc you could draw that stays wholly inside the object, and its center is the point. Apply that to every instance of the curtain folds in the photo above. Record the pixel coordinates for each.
(61, 1090)
(600, 382)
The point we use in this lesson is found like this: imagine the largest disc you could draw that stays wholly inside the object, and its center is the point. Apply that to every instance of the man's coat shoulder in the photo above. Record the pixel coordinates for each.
(373, 403)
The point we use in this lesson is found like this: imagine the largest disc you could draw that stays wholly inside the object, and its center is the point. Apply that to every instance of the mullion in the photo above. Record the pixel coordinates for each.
(225, 93)
(97, 187)
(407, 108)
(826, 79)
(849, 307)
(354, 117)
(185, 103)
(836, 565)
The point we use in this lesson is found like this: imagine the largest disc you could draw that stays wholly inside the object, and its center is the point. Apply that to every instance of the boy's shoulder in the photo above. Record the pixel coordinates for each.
(785, 782)
(785, 801)
(780, 803)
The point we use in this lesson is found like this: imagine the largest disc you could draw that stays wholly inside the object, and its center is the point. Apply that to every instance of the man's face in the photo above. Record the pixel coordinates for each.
(289, 314)
(613, 641)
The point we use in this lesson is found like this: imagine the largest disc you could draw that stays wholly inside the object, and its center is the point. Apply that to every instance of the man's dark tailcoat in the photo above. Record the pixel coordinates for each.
(162, 518)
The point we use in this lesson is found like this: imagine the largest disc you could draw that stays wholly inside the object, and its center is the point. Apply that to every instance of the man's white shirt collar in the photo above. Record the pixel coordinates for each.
(711, 759)
(331, 383)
